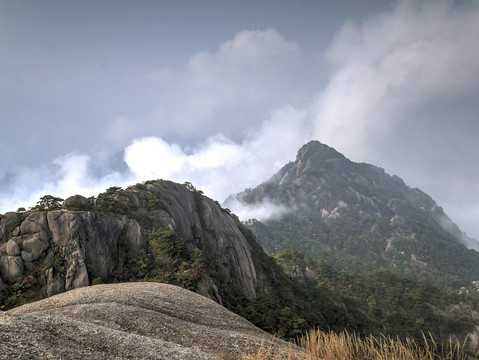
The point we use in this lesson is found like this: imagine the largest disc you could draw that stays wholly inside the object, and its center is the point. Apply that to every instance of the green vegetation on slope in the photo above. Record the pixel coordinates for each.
(167, 260)
(398, 306)
(359, 219)
(358, 245)
(288, 307)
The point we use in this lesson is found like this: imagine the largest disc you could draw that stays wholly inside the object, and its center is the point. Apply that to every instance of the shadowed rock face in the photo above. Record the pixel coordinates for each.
(127, 321)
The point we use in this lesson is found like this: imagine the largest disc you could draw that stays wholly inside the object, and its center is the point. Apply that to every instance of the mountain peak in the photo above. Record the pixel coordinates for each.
(317, 150)
(334, 198)
(314, 160)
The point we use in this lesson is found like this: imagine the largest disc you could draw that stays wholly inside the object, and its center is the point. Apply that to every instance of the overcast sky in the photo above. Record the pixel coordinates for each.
(222, 94)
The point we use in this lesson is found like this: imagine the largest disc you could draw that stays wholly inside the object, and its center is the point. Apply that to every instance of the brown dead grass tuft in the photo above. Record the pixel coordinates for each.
(318, 345)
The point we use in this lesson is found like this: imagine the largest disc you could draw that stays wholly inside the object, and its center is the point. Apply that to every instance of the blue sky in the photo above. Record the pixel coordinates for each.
(223, 93)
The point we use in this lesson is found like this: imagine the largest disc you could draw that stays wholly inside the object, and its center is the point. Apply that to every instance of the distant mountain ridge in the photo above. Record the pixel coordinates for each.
(341, 208)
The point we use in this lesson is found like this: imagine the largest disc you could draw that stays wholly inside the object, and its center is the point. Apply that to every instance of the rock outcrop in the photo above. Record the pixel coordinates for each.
(128, 321)
(82, 244)
(77, 203)
(68, 249)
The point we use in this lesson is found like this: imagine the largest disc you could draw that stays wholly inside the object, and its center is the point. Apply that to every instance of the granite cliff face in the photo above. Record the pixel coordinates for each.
(83, 242)
(63, 249)
(201, 223)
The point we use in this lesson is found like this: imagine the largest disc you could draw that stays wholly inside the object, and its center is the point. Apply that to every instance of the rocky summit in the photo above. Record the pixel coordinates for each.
(358, 218)
(128, 321)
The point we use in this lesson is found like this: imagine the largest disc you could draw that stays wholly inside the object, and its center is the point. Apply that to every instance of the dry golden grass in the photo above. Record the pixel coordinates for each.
(319, 345)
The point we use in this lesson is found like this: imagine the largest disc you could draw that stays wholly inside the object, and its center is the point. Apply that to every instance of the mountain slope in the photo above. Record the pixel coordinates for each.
(358, 218)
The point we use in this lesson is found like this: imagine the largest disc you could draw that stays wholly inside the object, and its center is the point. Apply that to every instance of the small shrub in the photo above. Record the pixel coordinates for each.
(48, 203)
(155, 202)
(168, 260)
(17, 222)
(60, 262)
(75, 205)
(11, 301)
(107, 203)
(97, 281)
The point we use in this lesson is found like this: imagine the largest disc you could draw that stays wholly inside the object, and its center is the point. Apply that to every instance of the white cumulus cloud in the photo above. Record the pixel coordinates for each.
(219, 166)
(66, 176)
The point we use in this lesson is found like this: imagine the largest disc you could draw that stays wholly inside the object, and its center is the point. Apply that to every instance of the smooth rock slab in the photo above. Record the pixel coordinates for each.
(27, 337)
(135, 237)
(127, 321)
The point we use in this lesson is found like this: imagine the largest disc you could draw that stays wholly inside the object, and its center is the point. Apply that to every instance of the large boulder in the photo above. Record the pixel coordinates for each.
(12, 248)
(77, 203)
(5, 222)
